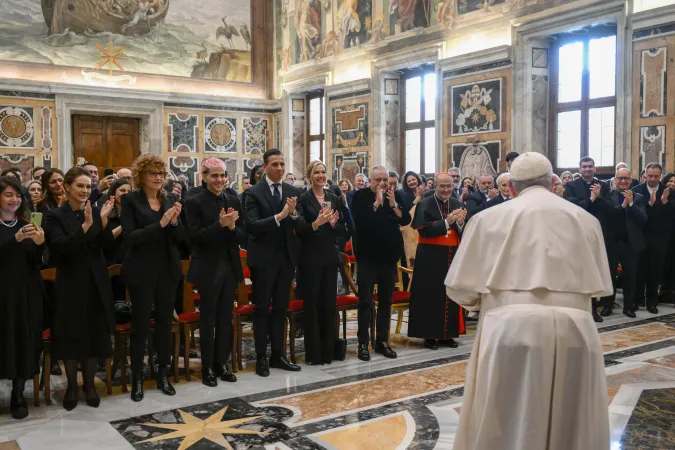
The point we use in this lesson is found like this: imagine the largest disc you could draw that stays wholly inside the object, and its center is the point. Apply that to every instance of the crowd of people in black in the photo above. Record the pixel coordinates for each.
(81, 224)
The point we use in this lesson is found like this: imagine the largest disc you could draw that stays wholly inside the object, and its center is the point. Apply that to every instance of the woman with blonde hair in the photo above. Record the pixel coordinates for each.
(566, 177)
(317, 269)
(151, 266)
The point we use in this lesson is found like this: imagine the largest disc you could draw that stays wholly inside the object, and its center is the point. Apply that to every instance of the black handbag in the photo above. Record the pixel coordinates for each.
(340, 349)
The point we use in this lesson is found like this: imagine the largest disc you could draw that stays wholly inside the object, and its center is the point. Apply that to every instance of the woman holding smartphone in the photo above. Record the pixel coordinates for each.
(151, 266)
(83, 326)
(317, 269)
(21, 295)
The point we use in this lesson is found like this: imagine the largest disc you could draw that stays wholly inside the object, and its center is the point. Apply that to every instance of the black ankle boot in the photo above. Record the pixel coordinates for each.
(17, 404)
(163, 383)
(136, 385)
(70, 399)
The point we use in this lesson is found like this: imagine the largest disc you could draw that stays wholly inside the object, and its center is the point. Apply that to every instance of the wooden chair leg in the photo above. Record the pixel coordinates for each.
(373, 313)
(399, 322)
(47, 374)
(36, 390)
(235, 337)
(291, 335)
(108, 375)
(240, 350)
(124, 361)
(186, 353)
(176, 354)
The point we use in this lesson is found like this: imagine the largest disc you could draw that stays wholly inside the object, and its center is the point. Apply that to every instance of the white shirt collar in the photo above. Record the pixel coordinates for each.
(651, 189)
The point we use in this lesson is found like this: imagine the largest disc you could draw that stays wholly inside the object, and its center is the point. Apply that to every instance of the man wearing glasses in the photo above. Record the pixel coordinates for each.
(625, 241)
(378, 246)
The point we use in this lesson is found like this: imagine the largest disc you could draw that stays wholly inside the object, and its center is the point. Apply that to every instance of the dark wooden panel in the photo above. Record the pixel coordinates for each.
(108, 142)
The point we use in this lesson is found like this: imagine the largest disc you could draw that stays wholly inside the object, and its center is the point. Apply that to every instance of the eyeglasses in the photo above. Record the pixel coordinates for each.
(380, 180)
(623, 178)
(157, 174)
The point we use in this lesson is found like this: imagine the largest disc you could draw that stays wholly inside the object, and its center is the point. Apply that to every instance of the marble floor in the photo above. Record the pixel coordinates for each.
(410, 402)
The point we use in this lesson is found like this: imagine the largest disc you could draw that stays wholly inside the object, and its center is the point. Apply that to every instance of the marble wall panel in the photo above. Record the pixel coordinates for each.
(652, 145)
(46, 121)
(299, 149)
(17, 126)
(249, 163)
(185, 168)
(255, 134)
(540, 93)
(183, 132)
(476, 107)
(220, 134)
(47, 161)
(348, 165)
(392, 136)
(653, 82)
(476, 159)
(350, 125)
(25, 163)
(232, 172)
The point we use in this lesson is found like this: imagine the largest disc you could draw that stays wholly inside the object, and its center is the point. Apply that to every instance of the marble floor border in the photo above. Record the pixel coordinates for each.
(666, 318)
(615, 357)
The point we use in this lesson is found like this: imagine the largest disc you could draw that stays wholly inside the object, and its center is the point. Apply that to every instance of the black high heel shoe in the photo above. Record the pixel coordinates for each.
(163, 383)
(70, 399)
(136, 386)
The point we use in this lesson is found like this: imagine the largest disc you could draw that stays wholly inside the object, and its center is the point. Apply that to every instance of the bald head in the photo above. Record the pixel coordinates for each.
(444, 185)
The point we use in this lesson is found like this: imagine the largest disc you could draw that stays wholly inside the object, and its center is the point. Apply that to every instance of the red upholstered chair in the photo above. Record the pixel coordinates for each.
(349, 251)
(400, 300)
(121, 352)
(189, 319)
(295, 308)
(243, 311)
(346, 303)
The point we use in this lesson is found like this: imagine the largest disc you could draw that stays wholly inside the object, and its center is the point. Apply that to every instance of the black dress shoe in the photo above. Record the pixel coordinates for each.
(653, 309)
(450, 343)
(384, 349)
(431, 344)
(364, 354)
(136, 386)
(261, 366)
(312, 363)
(55, 369)
(279, 362)
(629, 313)
(209, 378)
(224, 373)
(636, 307)
(163, 383)
(597, 317)
(70, 399)
(606, 312)
(17, 404)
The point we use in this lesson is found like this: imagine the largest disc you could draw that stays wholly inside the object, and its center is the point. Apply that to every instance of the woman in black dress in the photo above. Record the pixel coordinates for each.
(21, 295)
(83, 326)
(151, 266)
(53, 193)
(317, 268)
(115, 253)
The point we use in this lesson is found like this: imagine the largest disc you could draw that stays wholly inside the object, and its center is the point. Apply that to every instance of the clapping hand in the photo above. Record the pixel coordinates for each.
(292, 202)
(627, 198)
(465, 194)
(652, 197)
(229, 218)
(107, 208)
(595, 191)
(391, 198)
(419, 193)
(461, 216)
(168, 216)
(63, 199)
(177, 189)
(492, 193)
(666, 194)
(324, 217)
(379, 200)
(452, 217)
(88, 217)
(177, 207)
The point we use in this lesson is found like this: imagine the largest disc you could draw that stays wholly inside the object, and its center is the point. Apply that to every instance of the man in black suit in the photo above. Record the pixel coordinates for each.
(456, 176)
(656, 233)
(378, 219)
(504, 191)
(592, 195)
(625, 240)
(479, 199)
(217, 229)
(272, 216)
(359, 183)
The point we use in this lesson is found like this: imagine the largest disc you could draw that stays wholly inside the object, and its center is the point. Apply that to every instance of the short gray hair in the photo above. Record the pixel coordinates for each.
(455, 169)
(544, 181)
(360, 175)
(372, 171)
(505, 174)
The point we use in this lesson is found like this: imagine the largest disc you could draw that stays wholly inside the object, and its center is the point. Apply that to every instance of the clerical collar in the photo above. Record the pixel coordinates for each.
(443, 201)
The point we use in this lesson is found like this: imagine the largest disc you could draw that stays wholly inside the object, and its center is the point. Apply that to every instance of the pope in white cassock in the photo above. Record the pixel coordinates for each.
(536, 377)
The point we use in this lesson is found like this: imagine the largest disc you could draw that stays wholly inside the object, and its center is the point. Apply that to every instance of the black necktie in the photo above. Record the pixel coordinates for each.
(277, 193)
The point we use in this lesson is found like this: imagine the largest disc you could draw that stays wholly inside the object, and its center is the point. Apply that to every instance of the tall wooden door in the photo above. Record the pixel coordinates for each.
(108, 142)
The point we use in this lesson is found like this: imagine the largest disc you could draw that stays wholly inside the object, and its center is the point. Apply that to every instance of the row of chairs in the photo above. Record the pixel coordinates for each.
(188, 321)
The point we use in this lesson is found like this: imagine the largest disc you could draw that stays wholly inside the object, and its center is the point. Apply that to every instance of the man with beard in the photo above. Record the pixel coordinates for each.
(477, 201)
(439, 219)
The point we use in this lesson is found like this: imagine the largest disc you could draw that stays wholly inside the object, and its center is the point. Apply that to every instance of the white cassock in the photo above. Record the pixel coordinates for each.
(536, 376)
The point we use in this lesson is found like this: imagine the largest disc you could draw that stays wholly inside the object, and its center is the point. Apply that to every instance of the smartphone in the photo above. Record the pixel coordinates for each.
(325, 205)
(36, 219)
(108, 172)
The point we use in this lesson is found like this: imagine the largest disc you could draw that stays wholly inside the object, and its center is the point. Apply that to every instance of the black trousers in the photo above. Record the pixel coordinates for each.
(215, 307)
(159, 291)
(668, 278)
(319, 293)
(271, 287)
(650, 268)
(370, 274)
(620, 252)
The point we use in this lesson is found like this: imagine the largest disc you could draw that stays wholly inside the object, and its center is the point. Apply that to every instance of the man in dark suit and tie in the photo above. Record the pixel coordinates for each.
(625, 240)
(272, 216)
(592, 195)
(504, 191)
(486, 191)
(656, 233)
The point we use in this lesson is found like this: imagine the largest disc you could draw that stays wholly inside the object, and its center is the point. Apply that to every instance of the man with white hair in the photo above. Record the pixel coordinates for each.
(536, 376)
(504, 192)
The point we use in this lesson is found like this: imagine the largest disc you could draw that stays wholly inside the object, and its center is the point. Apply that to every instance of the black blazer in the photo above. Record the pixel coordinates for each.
(76, 255)
(264, 234)
(634, 217)
(498, 200)
(144, 236)
(476, 202)
(318, 247)
(428, 221)
(577, 192)
(659, 216)
(214, 248)
(114, 253)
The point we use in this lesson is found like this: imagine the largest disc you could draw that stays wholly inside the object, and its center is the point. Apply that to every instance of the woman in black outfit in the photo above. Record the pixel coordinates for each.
(115, 253)
(53, 194)
(83, 326)
(409, 186)
(317, 269)
(21, 295)
(34, 188)
(151, 266)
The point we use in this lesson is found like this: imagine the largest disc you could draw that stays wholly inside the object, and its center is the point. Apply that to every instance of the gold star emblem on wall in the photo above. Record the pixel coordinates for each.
(110, 56)
(195, 429)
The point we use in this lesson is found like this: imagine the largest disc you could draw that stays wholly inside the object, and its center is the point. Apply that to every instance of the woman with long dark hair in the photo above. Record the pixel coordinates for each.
(21, 295)
(34, 188)
(83, 326)
(410, 185)
(53, 194)
(151, 265)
